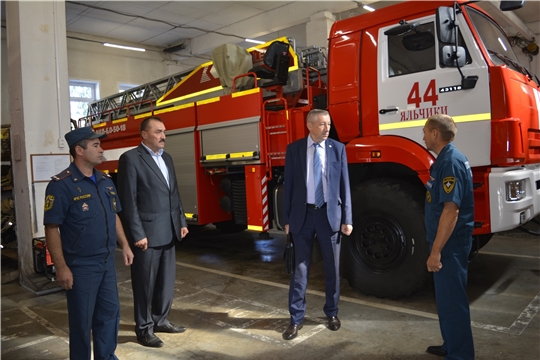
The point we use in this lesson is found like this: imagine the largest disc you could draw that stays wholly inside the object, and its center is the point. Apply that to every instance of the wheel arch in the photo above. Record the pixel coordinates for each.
(388, 156)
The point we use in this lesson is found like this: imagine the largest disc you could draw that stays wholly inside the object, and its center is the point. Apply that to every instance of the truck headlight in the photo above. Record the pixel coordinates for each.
(515, 190)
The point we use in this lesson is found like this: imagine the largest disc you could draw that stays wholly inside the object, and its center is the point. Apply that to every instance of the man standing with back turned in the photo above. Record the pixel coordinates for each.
(317, 202)
(449, 226)
(153, 219)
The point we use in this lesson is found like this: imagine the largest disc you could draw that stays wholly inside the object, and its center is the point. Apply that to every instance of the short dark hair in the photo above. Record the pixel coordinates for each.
(444, 124)
(83, 143)
(145, 122)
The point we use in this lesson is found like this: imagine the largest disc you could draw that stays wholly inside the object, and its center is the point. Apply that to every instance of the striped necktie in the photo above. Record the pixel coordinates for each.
(317, 176)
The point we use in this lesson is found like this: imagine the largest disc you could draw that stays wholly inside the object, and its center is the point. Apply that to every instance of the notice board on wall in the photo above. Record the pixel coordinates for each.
(46, 166)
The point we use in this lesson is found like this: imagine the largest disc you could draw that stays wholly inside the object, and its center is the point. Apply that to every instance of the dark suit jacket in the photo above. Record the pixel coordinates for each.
(338, 205)
(150, 209)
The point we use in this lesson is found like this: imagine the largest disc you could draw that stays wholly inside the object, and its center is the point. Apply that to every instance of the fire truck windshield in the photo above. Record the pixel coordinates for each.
(495, 41)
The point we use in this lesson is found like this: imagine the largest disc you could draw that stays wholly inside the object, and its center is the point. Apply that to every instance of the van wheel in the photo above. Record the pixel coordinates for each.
(386, 254)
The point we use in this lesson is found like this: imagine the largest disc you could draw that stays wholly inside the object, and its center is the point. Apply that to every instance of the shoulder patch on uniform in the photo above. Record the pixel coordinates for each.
(64, 174)
(49, 201)
(448, 184)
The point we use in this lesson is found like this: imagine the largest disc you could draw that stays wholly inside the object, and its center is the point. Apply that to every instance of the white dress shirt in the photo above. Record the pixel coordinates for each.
(159, 162)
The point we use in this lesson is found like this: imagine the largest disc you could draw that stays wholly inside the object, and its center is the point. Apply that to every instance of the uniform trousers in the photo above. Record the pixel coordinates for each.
(316, 222)
(153, 274)
(93, 309)
(453, 303)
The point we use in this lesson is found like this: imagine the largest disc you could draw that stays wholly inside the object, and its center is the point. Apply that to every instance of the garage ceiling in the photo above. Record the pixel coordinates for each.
(200, 26)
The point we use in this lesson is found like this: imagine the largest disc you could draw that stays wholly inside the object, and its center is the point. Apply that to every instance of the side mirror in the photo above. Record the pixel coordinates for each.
(511, 5)
(448, 58)
(445, 25)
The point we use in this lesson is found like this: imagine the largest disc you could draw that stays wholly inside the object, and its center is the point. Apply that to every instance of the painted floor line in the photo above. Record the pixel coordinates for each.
(314, 292)
(510, 255)
(516, 328)
(31, 343)
(521, 322)
(17, 325)
(57, 333)
(259, 337)
(53, 329)
(280, 322)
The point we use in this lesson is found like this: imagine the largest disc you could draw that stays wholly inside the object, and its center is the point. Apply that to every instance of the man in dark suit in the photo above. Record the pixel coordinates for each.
(317, 202)
(153, 219)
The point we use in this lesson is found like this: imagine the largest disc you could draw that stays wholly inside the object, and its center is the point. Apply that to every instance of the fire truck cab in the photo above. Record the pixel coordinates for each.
(415, 60)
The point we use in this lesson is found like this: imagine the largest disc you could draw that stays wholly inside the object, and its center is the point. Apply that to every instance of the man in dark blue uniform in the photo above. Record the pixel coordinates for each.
(82, 229)
(449, 226)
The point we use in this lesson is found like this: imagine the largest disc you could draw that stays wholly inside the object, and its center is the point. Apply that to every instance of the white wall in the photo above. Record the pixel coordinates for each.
(111, 67)
(107, 66)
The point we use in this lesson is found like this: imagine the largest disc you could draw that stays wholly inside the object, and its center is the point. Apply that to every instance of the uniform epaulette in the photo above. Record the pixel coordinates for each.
(105, 174)
(64, 174)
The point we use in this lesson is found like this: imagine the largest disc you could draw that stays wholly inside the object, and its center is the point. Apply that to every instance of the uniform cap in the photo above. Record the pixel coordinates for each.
(74, 136)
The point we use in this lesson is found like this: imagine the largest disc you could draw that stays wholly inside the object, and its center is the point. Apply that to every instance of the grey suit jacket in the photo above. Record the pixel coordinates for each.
(338, 205)
(150, 208)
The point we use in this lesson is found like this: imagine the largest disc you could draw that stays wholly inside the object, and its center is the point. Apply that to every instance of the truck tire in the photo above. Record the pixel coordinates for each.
(229, 227)
(386, 254)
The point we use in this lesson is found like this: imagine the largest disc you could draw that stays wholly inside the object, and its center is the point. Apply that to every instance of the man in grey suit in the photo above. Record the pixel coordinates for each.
(317, 202)
(153, 219)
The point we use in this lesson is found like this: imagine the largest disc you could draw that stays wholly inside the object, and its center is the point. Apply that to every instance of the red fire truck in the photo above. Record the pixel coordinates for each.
(382, 75)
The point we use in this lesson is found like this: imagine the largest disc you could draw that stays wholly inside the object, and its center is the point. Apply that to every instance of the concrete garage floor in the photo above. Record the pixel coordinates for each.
(231, 293)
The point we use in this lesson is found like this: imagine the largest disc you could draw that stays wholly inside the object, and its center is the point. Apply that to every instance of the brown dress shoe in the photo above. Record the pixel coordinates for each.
(333, 323)
(291, 332)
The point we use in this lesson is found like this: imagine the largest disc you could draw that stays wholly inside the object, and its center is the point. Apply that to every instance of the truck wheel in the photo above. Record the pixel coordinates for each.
(386, 254)
(229, 227)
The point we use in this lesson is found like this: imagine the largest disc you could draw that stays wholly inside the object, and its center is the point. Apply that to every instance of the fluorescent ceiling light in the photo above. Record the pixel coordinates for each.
(124, 47)
(368, 8)
(255, 41)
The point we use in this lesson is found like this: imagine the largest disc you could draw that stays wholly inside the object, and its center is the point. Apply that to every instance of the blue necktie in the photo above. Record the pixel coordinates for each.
(317, 176)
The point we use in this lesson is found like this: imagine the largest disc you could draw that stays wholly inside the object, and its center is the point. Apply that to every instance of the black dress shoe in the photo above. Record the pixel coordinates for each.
(150, 340)
(170, 328)
(291, 332)
(436, 350)
(333, 323)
